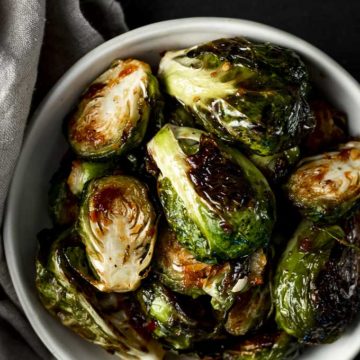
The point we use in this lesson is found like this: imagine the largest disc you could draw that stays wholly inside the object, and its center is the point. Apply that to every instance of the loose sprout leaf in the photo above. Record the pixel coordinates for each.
(118, 226)
(252, 94)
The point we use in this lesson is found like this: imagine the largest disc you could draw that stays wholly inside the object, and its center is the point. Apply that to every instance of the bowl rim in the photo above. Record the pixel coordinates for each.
(314, 54)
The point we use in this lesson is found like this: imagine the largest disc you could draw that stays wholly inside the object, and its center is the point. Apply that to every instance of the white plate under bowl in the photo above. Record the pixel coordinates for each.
(26, 211)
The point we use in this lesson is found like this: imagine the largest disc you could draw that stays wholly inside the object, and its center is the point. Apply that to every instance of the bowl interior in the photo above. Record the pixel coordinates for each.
(26, 211)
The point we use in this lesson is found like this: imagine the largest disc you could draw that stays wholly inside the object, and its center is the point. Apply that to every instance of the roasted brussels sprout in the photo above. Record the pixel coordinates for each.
(179, 116)
(118, 226)
(252, 94)
(72, 301)
(177, 320)
(63, 204)
(67, 185)
(278, 166)
(330, 130)
(114, 111)
(326, 187)
(177, 268)
(84, 171)
(217, 202)
(316, 287)
(250, 310)
(276, 345)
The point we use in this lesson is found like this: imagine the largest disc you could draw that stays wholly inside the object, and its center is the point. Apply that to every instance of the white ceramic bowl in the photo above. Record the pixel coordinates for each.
(26, 211)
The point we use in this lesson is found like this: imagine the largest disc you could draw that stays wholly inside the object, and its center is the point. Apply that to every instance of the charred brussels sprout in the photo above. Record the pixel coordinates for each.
(217, 202)
(84, 171)
(67, 185)
(278, 166)
(181, 117)
(316, 287)
(177, 320)
(331, 128)
(327, 186)
(114, 111)
(249, 311)
(63, 204)
(117, 224)
(253, 94)
(180, 271)
(74, 303)
(268, 346)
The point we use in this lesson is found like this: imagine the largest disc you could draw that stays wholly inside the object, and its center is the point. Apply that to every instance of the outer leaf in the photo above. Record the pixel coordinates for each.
(252, 94)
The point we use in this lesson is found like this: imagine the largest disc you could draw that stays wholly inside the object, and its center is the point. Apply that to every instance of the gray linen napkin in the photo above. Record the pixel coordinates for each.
(61, 31)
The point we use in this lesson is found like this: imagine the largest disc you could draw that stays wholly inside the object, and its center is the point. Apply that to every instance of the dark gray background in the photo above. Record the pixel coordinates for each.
(331, 25)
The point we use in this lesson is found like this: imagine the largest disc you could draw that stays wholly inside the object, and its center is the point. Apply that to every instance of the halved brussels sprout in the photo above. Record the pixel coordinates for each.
(317, 281)
(217, 202)
(249, 311)
(278, 166)
(118, 226)
(74, 303)
(114, 111)
(67, 185)
(327, 186)
(252, 94)
(276, 345)
(176, 319)
(331, 128)
(84, 171)
(177, 268)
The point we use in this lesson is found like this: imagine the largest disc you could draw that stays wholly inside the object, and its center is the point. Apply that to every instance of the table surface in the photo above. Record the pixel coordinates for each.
(331, 25)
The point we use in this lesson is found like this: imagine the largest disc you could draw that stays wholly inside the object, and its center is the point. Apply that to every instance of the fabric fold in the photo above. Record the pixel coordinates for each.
(39, 41)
